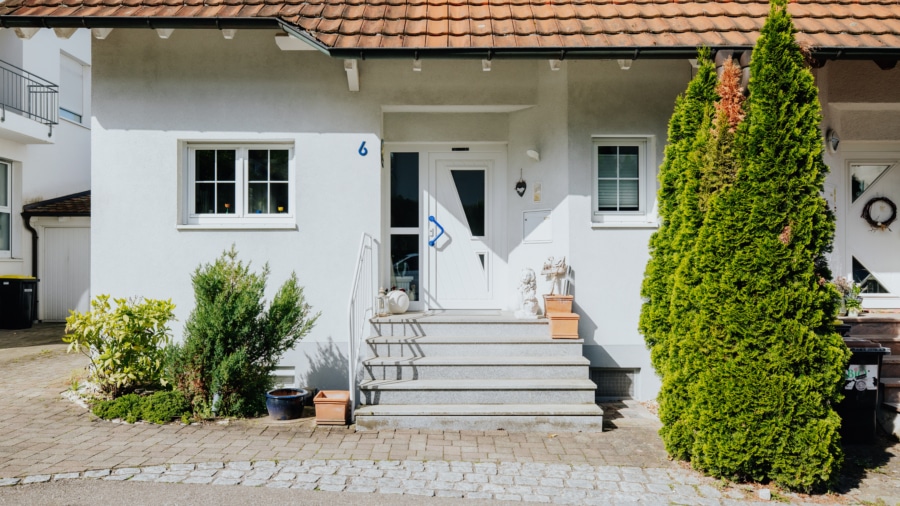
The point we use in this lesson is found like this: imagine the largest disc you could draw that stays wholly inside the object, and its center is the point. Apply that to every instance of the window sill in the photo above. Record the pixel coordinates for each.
(624, 224)
(73, 122)
(239, 226)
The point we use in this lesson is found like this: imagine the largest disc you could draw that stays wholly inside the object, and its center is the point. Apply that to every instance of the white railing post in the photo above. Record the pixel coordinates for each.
(360, 309)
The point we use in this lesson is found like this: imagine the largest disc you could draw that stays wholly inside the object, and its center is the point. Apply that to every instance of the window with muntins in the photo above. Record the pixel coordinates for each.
(229, 184)
(5, 209)
(71, 89)
(619, 177)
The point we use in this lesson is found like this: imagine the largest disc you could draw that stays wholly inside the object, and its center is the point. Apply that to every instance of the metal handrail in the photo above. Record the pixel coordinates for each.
(28, 95)
(361, 309)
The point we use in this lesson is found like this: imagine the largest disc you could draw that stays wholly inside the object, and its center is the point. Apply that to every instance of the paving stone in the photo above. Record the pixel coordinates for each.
(507, 497)
(331, 488)
(551, 482)
(253, 482)
(145, 477)
(97, 473)
(323, 470)
(225, 481)
(171, 478)
(502, 479)
(607, 485)
(333, 480)
(198, 480)
(659, 488)
(203, 472)
(264, 464)
(154, 469)
(262, 474)
(580, 484)
(8, 482)
(637, 488)
(304, 486)
(66, 476)
(307, 478)
(279, 484)
(210, 465)
(708, 491)
(181, 467)
(284, 477)
(240, 465)
(38, 478)
(391, 490)
(118, 477)
(479, 495)
(426, 492)
(536, 498)
(449, 493)
(126, 471)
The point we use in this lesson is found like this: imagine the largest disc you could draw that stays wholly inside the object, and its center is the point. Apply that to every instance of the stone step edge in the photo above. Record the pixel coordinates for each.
(480, 384)
(876, 337)
(511, 361)
(455, 320)
(890, 382)
(470, 340)
(480, 410)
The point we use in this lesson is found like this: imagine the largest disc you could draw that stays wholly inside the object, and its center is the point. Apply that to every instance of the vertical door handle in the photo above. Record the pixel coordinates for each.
(438, 225)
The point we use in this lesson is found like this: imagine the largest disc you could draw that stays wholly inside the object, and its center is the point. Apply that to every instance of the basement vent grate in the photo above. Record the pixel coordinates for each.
(614, 383)
(284, 377)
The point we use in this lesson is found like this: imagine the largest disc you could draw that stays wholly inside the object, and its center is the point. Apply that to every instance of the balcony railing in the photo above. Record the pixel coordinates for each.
(28, 95)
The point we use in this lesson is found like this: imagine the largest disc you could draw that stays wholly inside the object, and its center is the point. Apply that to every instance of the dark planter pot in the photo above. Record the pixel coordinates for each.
(286, 403)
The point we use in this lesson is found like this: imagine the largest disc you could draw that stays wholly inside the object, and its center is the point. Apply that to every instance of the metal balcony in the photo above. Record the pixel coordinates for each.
(28, 95)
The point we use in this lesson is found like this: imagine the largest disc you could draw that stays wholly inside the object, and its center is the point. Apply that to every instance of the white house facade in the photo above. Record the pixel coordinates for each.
(45, 155)
(296, 144)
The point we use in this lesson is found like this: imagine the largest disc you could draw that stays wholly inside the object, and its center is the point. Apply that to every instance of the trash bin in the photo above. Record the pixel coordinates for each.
(861, 390)
(18, 300)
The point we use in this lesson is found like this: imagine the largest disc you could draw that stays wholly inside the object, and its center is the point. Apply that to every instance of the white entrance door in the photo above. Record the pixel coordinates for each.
(463, 230)
(66, 280)
(872, 251)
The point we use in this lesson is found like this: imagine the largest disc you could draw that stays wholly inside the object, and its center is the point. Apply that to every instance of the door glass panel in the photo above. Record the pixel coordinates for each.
(470, 188)
(866, 281)
(4, 232)
(405, 264)
(863, 176)
(404, 189)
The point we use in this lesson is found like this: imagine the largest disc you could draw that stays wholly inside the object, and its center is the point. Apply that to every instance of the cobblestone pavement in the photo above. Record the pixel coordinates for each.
(45, 438)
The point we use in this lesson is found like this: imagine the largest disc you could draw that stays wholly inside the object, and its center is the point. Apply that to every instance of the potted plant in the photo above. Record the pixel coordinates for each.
(851, 302)
(286, 403)
(556, 272)
(332, 407)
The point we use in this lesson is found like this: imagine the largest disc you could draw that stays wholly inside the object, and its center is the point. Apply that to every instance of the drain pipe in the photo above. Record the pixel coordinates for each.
(34, 259)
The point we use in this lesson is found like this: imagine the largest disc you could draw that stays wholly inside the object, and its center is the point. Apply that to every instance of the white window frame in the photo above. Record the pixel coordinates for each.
(642, 217)
(79, 118)
(7, 209)
(241, 217)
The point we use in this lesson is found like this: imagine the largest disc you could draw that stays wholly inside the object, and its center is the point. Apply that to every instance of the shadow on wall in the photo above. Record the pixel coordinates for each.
(327, 369)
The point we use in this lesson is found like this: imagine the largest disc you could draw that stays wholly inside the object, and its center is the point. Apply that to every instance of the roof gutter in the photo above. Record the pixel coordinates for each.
(522, 53)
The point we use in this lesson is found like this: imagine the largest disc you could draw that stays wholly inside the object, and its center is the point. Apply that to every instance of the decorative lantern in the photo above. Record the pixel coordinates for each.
(381, 304)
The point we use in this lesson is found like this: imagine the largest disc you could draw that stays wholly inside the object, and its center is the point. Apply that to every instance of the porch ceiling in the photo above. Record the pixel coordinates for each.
(501, 28)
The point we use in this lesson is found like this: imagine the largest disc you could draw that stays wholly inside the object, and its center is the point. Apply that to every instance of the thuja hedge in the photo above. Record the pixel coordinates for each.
(753, 365)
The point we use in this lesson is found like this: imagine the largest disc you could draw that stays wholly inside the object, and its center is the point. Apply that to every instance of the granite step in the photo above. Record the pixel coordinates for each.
(890, 366)
(423, 346)
(531, 417)
(450, 324)
(485, 367)
(478, 391)
(891, 390)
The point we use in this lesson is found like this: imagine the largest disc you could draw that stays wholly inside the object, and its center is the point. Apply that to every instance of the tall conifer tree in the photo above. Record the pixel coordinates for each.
(764, 359)
(690, 111)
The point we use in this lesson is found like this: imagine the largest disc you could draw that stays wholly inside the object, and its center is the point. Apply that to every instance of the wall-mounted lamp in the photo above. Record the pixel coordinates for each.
(832, 140)
(520, 184)
(534, 155)
(625, 64)
(486, 65)
(417, 65)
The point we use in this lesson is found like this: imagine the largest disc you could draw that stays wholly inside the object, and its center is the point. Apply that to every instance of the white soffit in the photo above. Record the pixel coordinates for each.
(455, 108)
(287, 42)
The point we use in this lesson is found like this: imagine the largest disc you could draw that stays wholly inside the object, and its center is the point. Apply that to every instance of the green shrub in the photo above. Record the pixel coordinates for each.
(160, 407)
(126, 343)
(232, 343)
(760, 357)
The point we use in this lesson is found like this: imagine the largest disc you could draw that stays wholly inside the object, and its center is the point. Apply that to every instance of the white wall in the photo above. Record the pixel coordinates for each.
(156, 93)
(44, 171)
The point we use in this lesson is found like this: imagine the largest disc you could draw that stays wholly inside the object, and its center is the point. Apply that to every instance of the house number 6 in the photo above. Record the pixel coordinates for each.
(363, 150)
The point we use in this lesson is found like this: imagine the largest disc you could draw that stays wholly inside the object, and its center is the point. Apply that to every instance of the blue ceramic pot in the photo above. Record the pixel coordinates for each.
(286, 403)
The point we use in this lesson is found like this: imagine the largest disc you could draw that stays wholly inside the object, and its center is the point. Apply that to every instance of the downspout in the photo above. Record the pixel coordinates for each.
(34, 259)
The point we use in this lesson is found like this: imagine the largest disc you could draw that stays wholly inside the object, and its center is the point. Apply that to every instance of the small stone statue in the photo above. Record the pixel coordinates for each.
(528, 303)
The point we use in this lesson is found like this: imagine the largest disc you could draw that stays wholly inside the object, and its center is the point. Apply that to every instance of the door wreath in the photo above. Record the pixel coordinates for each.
(878, 219)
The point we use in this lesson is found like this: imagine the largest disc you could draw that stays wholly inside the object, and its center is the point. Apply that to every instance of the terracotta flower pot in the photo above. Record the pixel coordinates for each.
(557, 304)
(332, 407)
(563, 325)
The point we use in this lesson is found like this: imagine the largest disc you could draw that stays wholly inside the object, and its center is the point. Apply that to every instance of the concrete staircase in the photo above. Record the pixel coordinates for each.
(884, 330)
(474, 372)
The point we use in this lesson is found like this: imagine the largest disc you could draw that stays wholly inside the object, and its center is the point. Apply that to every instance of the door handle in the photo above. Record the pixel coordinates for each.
(438, 225)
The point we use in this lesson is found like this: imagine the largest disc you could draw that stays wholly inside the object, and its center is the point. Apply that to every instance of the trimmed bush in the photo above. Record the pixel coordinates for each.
(232, 342)
(126, 343)
(160, 407)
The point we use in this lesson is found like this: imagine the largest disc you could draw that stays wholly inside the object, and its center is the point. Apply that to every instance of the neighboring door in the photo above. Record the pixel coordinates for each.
(463, 230)
(872, 250)
(65, 281)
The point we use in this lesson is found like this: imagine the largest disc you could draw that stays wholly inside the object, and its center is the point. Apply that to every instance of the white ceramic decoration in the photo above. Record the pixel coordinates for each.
(398, 301)
(528, 303)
